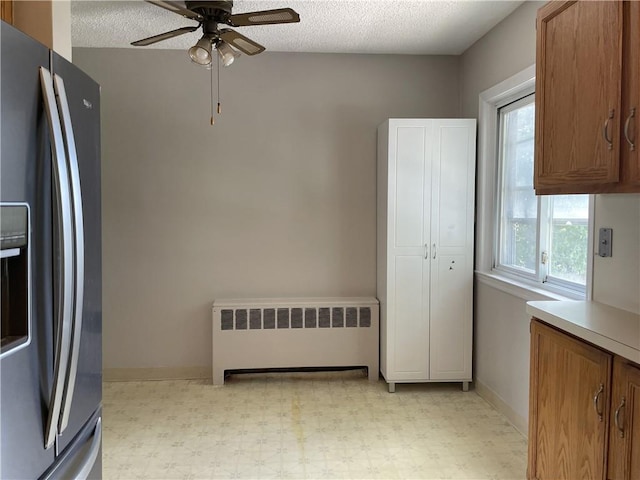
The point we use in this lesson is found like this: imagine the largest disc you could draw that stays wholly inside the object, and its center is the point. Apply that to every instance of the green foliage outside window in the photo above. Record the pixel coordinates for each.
(569, 252)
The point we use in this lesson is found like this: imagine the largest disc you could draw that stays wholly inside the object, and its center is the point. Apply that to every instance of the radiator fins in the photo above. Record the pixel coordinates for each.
(284, 318)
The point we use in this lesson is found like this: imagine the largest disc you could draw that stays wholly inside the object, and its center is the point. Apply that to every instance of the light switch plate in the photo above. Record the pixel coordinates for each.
(604, 242)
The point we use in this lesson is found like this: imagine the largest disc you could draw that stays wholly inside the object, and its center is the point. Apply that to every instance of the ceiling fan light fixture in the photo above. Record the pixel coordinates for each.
(227, 55)
(200, 53)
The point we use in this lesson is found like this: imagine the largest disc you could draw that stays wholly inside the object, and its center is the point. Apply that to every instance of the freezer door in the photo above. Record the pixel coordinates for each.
(85, 381)
(82, 459)
(25, 176)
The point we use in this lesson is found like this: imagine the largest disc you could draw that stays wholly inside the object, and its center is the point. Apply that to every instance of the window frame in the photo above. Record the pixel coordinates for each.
(497, 230)
(519, 85)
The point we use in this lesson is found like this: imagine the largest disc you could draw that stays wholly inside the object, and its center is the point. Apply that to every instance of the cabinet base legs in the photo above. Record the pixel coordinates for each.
(218, 377)
(465, 386)
(392, 387)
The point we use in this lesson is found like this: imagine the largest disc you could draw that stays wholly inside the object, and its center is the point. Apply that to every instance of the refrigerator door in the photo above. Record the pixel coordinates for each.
(84, 387)
(25, 176)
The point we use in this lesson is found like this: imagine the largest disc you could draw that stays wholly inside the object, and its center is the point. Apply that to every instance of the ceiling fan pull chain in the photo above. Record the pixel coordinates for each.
(218, 70)
(211, 97)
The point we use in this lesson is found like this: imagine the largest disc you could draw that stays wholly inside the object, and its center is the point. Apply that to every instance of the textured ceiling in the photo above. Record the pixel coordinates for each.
(419, 27)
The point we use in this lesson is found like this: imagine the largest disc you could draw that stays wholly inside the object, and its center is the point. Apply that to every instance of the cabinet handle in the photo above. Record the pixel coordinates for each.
(596, 399)
(617, 419)
(434, 251)
(632, 114)
(605, 130)
(426, 251)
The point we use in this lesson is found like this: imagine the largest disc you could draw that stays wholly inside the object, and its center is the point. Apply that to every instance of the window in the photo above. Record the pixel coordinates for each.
(539, 238)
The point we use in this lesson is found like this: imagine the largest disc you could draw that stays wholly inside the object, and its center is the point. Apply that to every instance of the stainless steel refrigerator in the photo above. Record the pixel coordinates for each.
(51, 350)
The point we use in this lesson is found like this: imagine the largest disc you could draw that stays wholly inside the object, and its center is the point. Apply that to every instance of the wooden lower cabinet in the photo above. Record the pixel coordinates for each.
(569, 399)
(579, 425)
(624, 431)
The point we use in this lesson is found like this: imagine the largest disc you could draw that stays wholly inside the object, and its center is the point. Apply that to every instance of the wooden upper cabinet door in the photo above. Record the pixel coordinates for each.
(578, 96)
(624, 437)
(630, 116)
(569, 407)
(6, 10)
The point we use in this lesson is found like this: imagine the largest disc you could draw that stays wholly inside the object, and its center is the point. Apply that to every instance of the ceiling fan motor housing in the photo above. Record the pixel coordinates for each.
(219, 10)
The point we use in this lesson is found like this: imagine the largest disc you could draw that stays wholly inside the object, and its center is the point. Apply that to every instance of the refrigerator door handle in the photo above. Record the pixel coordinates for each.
(76, 196)
(92, 456)
(63, 277)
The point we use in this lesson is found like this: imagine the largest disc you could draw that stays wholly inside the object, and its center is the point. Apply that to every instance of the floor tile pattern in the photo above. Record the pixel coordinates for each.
(311, 425)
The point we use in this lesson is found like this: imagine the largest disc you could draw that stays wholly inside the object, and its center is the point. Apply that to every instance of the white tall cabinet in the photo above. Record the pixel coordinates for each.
(426, 183)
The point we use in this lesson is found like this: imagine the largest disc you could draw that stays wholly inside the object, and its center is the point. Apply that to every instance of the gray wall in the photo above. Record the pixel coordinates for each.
(507, 49)
(616, 279)
(501, 323)
(276, 199)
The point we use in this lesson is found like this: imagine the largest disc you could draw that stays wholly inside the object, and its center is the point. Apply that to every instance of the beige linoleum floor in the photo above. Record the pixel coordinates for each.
(324, 425)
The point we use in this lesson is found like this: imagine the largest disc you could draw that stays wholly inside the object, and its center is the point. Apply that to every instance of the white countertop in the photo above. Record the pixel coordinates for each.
(612, 329)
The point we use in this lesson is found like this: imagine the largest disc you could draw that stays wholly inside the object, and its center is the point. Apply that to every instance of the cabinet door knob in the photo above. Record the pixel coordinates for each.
(596, 401)
(605, 130)
(434, 251)
(632, 114)
(616, 418)
(426, 251)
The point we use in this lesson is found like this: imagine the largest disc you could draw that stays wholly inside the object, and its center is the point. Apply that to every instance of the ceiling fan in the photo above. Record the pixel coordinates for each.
(209, 15)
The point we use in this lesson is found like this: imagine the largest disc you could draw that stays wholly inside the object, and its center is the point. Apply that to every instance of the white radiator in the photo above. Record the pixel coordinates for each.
(295, 333)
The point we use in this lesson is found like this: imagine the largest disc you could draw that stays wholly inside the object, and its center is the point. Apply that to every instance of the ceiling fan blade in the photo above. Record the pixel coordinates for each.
(264, 17)
(177, 7)
(242, 43)
(164, 36)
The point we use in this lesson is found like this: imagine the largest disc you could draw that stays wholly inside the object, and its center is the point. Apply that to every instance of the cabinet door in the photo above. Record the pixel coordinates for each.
(451, 318)
(624, 436)
(578, 96)
(6, 11)
(630, 140)
(451, 285)
(408, 240)
(569, 406)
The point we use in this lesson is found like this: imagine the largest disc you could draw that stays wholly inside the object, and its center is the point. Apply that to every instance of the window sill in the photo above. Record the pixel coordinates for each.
(518, 288)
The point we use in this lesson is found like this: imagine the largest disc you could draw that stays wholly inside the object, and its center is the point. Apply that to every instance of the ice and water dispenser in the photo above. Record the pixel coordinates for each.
(15, 277)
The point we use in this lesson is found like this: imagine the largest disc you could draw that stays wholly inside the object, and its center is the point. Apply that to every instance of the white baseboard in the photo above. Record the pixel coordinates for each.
(160, 373)
(520, 423)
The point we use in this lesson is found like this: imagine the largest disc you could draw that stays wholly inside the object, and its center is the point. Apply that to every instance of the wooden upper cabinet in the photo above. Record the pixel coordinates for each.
(586, 90)
(578, 95)
(568, 407)
(624, 436)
